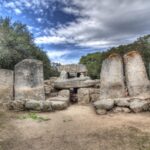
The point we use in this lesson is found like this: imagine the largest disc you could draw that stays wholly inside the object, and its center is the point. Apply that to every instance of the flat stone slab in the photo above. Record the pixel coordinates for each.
(75, 83)
(59, 105)
(59, 98)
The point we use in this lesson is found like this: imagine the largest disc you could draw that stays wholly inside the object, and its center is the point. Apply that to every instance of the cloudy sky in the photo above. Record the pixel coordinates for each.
(69, 29)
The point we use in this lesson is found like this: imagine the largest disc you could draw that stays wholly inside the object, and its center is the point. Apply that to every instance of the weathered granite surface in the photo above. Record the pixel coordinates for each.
(136, 76)
(75, 83)
(112, 78)
(73, 68)
(29, 80)
(6, 85)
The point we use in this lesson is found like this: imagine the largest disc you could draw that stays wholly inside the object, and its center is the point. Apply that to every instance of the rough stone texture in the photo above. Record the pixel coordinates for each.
(83, 95)
(136, 76)
(121, 109)
(101, 112)
(33, 105)
(63, 75)
(112, 79)
(73, 68)
(49, 89)
(59, 105)
(6, 85)
(64, 93)
(46, 106)
(94, 94)
(59, 98)
(138, 105)
(106, 104)
(29, 80)
(75, 83)
(17, 105)
(123, 102)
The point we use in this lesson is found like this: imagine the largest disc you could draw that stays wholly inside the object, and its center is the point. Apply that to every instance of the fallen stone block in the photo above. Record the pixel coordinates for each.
(123, 102)
(83, 96)
(64, 93)
(46, 106)
(59, 105)
(106, 104)
(33, 105)
(59, 98)
(101, 112)
(138, 105)
(121, 109)
(17, 105)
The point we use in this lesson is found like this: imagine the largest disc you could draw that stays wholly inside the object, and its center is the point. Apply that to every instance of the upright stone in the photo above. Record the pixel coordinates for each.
(112, 78)
(6, 85)
(136, 76)
(29, 80)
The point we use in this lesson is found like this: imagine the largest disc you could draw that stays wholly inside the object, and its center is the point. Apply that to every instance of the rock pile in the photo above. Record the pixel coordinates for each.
(113, 94)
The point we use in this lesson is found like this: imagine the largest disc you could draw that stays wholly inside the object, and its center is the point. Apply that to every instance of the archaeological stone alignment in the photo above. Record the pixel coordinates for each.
(30, 92)
(113, 96)
(124, 86)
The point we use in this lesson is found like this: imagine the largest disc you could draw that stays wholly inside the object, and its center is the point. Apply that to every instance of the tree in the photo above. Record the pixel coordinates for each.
(16, 44)
(93, 61)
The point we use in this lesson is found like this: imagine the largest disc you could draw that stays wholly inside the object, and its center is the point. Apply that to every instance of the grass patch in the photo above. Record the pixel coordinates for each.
(34, 116)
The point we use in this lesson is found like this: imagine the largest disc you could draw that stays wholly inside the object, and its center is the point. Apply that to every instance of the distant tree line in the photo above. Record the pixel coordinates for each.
(93, 61)
(16, 44)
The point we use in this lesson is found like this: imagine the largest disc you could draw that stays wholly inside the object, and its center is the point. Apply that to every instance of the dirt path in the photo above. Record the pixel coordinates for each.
(77, 128)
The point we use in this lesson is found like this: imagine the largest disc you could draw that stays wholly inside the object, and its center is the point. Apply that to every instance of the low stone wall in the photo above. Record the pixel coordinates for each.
(126, 105)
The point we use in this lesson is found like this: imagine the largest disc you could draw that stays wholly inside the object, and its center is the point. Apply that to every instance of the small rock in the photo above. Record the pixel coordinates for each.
(106, 104)
(101, 111)
(59, 105)
(123, 102)
(121, 109)
(46, 106)
(139, 105)
(64, 93)
(33, 105)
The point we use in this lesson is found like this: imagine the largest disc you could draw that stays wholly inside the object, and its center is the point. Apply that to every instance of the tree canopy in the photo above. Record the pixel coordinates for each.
(16, 44)
(94, 61)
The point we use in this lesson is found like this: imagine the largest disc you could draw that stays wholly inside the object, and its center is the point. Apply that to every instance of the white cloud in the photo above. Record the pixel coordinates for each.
(61, 56)
(102, 23)
(50, 40)
(17, 11)
(39, 20)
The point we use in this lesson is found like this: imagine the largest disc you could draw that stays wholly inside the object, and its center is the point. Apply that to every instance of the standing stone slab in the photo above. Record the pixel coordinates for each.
(6, 85)
(29, 80)
(112, 78)
(136, 76)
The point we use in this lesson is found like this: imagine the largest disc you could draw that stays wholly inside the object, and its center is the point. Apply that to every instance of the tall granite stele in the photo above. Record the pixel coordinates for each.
(6, 85)
(136, 76)
(112, 78)
(29, 80)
